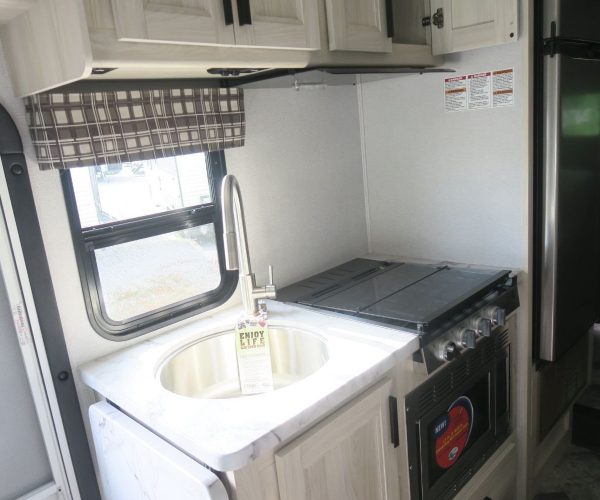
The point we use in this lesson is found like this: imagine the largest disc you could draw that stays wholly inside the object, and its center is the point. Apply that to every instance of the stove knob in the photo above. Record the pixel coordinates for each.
(448, 351)
(498, 316)
(468, 338)
(483, 327)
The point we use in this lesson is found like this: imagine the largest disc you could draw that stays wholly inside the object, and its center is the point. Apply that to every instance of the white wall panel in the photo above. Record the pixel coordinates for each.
(300, 174)
(447, 186)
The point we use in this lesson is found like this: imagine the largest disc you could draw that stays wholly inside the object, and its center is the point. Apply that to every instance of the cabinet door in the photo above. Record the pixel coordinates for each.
(358, 25)
(278, 24)
(172, 21)
(349, 455)
(472, 24)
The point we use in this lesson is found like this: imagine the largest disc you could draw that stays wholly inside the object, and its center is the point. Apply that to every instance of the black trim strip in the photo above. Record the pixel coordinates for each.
(21, 199)
(145, 227)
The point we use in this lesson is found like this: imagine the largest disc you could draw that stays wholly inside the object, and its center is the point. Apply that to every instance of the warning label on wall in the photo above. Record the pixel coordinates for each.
(456, 93)
(489, 89)
(480, 86)
(504, 88)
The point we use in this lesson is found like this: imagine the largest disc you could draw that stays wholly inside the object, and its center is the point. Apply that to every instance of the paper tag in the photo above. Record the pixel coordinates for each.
(21, 324)
(254, 356)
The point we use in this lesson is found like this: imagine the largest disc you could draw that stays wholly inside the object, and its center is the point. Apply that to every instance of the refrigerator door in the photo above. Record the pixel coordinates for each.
(571, 194)
(135, 464)
(575, 19)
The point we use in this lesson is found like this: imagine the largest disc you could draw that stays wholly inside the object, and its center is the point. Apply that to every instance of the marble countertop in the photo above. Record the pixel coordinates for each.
(227, 434)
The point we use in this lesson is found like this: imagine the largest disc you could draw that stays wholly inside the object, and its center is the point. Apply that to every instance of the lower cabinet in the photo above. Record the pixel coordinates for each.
(349, 455)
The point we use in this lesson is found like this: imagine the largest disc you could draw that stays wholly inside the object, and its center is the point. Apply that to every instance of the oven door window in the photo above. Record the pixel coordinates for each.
(451, 433)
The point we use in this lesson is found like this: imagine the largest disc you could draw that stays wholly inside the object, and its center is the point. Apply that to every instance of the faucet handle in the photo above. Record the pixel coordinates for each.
(270, 288)
(271, 283)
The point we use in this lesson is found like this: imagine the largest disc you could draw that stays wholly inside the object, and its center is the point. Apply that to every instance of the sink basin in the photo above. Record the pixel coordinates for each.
(207, 369)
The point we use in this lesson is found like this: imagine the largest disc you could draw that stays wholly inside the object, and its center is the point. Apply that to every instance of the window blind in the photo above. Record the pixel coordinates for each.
(99, 128)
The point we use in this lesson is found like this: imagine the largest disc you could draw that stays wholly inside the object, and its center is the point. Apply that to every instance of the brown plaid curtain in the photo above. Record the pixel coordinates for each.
(80, 130)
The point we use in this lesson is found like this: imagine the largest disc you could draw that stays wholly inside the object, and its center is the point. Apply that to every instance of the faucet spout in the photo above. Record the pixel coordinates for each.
(237, 254)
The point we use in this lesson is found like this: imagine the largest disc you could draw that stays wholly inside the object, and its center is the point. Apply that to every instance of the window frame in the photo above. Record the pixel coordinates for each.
(86, 241)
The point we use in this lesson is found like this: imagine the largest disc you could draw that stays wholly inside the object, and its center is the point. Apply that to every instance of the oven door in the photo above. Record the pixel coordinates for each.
(454, 421)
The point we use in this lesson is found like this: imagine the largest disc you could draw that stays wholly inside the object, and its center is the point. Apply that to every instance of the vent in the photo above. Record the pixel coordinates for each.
(460, 375)
(457, 374)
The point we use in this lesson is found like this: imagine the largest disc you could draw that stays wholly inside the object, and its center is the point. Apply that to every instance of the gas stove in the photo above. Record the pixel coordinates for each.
(450, 308)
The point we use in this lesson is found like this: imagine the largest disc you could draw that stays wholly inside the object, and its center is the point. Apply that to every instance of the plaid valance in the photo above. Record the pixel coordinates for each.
(97, 128)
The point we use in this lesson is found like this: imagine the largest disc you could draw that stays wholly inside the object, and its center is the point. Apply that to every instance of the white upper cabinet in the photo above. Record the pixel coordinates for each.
(358, 25)
(55, 42)
(254, 23)
(278, 23)
(458, 25)
(172, 21)
(347, 456)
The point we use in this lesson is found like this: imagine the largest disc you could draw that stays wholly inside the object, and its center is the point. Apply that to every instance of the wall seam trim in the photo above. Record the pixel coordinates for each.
(364, 161)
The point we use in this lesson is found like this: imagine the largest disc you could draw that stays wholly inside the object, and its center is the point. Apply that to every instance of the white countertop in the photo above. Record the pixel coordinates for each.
(227, 434)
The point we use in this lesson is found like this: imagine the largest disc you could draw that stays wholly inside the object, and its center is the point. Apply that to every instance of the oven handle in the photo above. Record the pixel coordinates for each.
(395, 431)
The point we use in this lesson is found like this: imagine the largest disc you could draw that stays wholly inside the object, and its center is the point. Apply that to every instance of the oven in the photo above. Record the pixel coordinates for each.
(458, 417)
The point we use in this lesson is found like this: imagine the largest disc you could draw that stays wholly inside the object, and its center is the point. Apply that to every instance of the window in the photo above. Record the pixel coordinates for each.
(148, 241)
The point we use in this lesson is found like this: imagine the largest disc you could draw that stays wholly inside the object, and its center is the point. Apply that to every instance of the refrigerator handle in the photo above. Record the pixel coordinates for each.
(573, 48)
(550, 200)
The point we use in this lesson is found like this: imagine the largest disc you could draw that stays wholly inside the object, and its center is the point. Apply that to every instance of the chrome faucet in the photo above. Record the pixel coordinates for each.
(237, 255)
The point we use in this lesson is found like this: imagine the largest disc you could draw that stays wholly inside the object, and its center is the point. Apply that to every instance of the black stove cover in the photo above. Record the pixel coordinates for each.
(428, 299)
(415, 296)
(313, 289)
(376, 289)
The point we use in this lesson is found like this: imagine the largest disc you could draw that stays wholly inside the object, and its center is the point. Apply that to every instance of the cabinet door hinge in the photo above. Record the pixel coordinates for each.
(437, 19)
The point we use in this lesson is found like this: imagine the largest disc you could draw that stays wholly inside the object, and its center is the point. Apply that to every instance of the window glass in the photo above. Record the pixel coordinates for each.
(121, 191)
(145, 261)
(148, 274)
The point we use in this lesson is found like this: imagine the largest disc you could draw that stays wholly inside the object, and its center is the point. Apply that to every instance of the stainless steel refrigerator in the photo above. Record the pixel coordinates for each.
(566, 175)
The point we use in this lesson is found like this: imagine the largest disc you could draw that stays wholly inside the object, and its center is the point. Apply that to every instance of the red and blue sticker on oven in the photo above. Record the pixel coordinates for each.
(451, 432)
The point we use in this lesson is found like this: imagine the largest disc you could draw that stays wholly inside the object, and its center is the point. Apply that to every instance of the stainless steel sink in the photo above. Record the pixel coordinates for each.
(208, 368)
